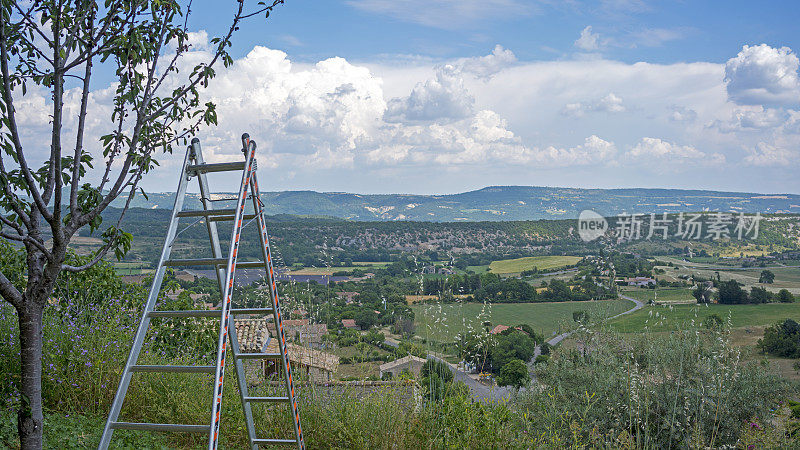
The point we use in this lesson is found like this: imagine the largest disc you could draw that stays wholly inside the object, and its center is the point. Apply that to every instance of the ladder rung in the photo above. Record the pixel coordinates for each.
(207, 212)
(181, 369)
(251, 310)
(275, 441)
(196, 262)
(219, 167)
(160, 427)
(266, 399)
(229, 217)
(187, 313)
(258, 355)
(212, 262)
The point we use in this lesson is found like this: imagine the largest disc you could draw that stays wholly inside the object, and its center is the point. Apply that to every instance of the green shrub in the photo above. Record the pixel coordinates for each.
(661, 392)
(514, 373)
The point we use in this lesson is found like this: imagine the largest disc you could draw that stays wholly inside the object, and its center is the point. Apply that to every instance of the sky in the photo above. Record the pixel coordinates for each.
(446, 96)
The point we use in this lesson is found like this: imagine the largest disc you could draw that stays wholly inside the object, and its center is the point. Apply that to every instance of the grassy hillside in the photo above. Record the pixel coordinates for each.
(443, 322)
(667, 318)
(661, 295)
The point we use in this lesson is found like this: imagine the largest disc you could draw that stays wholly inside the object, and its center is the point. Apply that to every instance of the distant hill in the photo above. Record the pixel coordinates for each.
(499, 203)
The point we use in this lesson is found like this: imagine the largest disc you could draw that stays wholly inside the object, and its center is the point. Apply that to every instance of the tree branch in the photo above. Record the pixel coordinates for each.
(111, 240)
(220, 50)
(28, 239)
(76, 159)
(54, 178)
(12, 122)
(9, 292)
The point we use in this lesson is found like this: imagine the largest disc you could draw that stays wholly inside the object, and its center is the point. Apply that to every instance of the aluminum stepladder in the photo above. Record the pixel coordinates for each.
(193, 165)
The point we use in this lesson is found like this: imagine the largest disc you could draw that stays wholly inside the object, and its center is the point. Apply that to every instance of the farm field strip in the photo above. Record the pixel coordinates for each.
(518, 265)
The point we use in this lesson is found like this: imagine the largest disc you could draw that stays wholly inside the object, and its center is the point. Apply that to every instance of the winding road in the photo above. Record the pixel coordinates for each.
(483, 393)
(638, 305)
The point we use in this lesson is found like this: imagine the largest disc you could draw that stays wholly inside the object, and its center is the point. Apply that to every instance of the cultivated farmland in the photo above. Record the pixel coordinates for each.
(541, 263)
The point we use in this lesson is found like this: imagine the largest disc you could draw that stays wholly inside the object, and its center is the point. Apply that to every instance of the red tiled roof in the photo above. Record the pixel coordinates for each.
(499, 329)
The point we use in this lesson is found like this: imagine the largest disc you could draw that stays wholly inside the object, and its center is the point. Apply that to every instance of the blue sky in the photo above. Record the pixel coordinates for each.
(443, 96)
(652, 31)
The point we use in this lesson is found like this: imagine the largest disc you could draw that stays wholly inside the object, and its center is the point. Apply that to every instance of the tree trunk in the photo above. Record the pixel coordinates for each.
(30, 421)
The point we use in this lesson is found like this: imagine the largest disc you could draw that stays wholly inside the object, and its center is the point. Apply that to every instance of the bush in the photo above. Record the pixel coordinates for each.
(514, 373)
(784, 296)
(782, 339)
(713, 321)
(438, 368)
(671, 391)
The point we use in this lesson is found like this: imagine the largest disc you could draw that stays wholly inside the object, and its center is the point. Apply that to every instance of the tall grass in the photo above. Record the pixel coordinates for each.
(688, 389)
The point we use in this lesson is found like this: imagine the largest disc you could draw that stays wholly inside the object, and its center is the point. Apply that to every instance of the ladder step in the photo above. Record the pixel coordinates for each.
(196, 262)
(213, 262)
(229, 217)
(275, 441)
(219, 167)
(187, 313)
(180, 369)
(258, 355)
(266, 399)
(251, 310)
(207, 212)
(214, 215)
(160, 427)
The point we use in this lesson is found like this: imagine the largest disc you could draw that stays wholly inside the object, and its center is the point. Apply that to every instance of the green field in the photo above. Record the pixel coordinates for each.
(786, 277)
(662, 295)
(539, 262)
(479, 269)
(443, 322)
(667, 318)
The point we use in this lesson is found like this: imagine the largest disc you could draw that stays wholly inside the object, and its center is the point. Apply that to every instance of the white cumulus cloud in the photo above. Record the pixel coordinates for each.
(770, 155)
(588, 41)
(763, 75)
(649, 148)
(443, 97)
(486, 66)
(610, 103)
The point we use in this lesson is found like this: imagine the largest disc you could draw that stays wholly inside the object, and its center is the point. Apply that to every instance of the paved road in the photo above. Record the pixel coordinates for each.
(485, 393)
(480, 392)
(637, 306)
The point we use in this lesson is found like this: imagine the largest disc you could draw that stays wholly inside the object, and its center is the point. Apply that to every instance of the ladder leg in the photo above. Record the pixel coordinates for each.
(222, 343)
(133, 356)
(216, 251)
(205, 194)
(242, 381)
(281, 336)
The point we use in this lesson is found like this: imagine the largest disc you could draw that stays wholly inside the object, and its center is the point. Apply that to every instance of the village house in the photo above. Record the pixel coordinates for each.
(638, 281)
(350, 324)
(499, 329)
(254, 337)
(347, 296)
(300, 331)
(410, 363)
